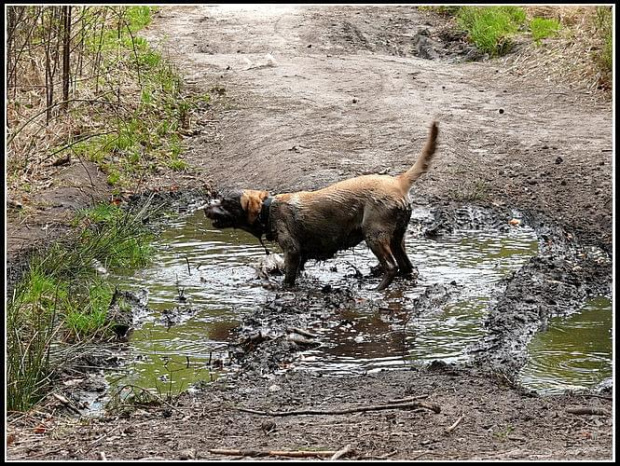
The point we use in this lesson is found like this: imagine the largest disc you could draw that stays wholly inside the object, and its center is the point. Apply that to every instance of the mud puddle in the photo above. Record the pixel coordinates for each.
(204, 287)
(573, 353)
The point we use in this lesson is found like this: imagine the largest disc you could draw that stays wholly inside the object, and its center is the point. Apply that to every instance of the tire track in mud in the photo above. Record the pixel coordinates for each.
(498, 131)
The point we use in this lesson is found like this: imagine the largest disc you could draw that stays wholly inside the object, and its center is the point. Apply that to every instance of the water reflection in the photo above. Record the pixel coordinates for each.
(575, 352)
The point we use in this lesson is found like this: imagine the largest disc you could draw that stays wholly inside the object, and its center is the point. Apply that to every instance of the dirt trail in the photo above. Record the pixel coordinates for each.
(346, 91)
(308, 95)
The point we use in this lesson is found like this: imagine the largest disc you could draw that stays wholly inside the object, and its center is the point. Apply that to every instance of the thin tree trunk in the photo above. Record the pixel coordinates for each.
(66, 53)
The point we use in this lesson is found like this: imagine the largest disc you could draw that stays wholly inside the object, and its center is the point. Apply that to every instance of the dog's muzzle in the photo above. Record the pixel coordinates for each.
(219, 216)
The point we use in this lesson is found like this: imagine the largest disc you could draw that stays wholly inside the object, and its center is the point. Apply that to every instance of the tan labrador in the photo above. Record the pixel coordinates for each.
(317, 224)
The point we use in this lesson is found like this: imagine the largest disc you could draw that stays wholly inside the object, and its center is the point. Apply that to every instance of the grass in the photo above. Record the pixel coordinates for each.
(541, 28)
(145, 138)
(582, 55)
(491, 28)
(62, 298)
(604, 28)
(442, 10)
(140, 108)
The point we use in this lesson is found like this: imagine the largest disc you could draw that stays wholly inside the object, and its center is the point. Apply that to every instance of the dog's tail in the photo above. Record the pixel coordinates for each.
(421, 165)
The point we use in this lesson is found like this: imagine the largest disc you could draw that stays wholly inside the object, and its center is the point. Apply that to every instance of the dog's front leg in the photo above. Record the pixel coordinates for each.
(292, 261)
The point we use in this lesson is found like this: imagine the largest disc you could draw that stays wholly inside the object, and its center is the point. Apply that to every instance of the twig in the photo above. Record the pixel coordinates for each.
(453, 426)
(291, 454)
(77, 141)
(302, 332)
(420, 455)
(588, 410)
(94, 443)
(90, 101)
(409, 398)
(66, 402)
(432, 406)
(340, 453)
(118, 369)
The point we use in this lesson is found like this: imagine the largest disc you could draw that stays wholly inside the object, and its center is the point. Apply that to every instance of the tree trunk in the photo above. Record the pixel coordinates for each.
(66, 52)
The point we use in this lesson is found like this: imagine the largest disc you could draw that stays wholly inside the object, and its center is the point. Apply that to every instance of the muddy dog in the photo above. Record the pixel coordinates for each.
(317, 224)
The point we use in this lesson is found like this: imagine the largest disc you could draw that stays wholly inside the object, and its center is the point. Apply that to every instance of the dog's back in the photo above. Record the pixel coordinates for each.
(343, 214)
(348, 198)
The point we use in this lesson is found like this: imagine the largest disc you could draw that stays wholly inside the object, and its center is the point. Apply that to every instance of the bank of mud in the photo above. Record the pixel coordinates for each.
(478, 418)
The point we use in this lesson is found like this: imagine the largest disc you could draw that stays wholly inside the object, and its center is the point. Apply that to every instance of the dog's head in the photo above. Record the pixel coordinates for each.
(238, 209)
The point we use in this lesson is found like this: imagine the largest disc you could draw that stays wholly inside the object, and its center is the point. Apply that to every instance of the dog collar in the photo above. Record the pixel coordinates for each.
(263, 217)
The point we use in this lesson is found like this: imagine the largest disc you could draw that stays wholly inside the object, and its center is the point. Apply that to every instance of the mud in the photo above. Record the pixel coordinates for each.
(348, 91)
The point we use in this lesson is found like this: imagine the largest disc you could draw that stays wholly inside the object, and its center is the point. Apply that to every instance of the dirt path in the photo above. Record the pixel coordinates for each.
(346, 91)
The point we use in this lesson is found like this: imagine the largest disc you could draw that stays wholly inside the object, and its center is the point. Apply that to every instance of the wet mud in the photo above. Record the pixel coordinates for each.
(555, 282)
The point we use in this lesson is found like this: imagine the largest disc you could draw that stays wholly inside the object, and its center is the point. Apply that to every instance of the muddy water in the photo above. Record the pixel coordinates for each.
(203, 281)
(573, 353)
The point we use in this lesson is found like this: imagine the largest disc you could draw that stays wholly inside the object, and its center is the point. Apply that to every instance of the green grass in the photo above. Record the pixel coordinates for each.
(604, 28)
(541, 28)
(85, 317)
(62, 298)
(143, 138)
(491, 28)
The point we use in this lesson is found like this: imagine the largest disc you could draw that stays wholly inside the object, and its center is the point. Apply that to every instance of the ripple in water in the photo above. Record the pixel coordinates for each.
(573, 353)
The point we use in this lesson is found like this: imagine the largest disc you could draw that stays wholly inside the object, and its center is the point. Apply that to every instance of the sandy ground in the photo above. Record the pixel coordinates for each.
(305, 96)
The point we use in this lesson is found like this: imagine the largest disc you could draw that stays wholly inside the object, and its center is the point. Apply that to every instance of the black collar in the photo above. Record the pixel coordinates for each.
(263, 216)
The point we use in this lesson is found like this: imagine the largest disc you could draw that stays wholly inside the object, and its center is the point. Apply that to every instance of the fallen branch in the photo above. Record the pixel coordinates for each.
(340, 453)
(432, 406)
(66, 402)
(453, 426)
(409, 398)
(588, 410)
(290, 454)
(299, 339)
(302, 332)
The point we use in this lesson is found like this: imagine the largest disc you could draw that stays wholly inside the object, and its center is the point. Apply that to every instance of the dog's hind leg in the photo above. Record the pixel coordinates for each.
(405, 267)
(381, 248)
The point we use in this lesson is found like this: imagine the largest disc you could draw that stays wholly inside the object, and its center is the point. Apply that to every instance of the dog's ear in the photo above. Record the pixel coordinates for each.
(252, 202)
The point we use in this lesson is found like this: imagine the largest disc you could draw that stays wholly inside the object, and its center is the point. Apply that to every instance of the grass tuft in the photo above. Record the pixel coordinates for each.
(604, 28)
(491, 28)
(64, 296)
(542, 28)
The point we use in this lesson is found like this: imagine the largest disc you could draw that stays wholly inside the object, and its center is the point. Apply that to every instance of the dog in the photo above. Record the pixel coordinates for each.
(317, 224)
